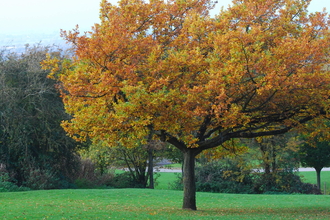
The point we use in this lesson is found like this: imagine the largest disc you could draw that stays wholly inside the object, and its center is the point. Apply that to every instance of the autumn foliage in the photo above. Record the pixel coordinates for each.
(195, 81)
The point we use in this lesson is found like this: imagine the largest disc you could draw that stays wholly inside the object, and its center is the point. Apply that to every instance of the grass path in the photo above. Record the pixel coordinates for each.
(157, 204)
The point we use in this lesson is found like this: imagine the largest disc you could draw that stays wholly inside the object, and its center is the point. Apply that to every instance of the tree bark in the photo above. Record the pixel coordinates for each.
(151, 168)
(318, 177)
(189, 184)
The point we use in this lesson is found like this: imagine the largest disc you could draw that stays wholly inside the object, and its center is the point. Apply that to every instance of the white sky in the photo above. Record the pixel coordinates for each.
(49, 16)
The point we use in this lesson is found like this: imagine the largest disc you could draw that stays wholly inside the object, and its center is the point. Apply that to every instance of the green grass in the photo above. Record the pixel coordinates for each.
(157, 204)
(164, 180)
(161, 204)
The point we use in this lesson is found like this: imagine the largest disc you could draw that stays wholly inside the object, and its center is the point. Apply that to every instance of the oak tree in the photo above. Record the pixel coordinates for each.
(195, 81)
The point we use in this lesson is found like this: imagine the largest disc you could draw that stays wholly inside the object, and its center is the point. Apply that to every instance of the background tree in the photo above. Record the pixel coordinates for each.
(196, 81)
(315, 150)
(155, 152)
(34, 148)
(135, 159)
(173, 154)
(276, 157)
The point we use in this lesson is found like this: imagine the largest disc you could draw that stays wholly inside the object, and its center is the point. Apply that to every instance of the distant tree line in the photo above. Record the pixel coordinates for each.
(35, 151)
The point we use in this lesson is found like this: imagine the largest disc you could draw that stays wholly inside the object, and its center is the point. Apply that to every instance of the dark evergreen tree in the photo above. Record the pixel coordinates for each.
(34, 148)
(317, 156)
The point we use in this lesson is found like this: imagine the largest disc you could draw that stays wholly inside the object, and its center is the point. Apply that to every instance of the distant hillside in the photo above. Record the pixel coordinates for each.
(17, 42)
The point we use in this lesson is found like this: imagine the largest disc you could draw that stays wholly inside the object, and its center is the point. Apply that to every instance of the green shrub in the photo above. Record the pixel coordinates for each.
(283, 182)
(125, 180)
(177, 184)
(84, 183)
(88, 177)
(122, 180)
(42, 179)
(224, 176)
(229, 176)
(7, 186)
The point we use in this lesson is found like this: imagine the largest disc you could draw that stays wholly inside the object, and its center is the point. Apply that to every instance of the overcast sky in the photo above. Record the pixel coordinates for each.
(48, 16)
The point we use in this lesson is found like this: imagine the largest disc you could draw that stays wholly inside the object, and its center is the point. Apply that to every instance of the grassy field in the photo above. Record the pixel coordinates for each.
(164, 180)
(157, 204)
(162, 204)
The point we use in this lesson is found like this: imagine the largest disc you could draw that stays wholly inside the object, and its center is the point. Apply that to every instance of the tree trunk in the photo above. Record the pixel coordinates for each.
(318, 177)
(150, 159)
(189, 184)
(267, 168)
(151, 168)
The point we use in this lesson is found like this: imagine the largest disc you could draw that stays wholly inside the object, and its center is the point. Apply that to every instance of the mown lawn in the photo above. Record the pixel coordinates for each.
(157, 204)
(162, 203)
(164, 180)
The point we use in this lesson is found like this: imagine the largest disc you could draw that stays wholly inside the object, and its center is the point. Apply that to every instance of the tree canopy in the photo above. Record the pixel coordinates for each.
(193, 80)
